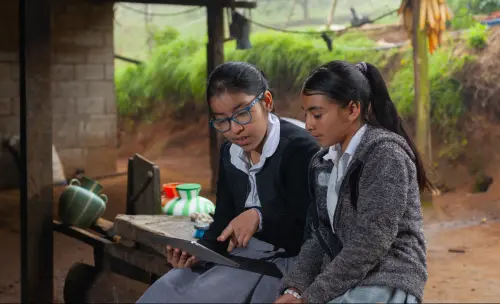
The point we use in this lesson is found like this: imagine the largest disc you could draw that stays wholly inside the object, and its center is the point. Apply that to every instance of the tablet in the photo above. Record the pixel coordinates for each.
(201, 252)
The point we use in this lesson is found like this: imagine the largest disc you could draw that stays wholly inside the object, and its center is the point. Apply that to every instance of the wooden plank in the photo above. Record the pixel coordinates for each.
(138, 227)
(36, 152)
(215, 57)
(143, 188)
(224, 3)
(150, 262)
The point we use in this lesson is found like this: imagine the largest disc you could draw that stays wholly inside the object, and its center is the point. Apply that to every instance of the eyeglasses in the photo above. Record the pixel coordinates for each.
(241, 117)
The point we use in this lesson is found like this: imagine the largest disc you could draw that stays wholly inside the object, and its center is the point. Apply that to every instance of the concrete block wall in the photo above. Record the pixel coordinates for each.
(83, 92)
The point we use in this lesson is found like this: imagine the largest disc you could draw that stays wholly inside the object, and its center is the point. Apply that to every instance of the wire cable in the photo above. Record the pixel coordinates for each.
(160, 14)
(319, 32)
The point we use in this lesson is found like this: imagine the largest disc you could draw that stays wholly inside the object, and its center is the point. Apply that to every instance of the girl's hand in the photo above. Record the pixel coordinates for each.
(288, 298)
(241, 229)
(179, 259)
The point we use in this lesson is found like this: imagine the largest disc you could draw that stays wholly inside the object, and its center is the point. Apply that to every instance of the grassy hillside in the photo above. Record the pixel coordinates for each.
(131, 30)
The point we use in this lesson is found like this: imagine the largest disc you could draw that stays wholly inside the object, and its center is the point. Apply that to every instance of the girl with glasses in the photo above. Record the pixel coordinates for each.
(368, 243)
(262, 197)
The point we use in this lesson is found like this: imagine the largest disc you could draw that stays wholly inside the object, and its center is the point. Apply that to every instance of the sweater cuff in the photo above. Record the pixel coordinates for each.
(260, 219)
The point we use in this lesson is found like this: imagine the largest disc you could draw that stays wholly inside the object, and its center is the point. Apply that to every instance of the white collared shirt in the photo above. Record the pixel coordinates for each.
(241, 161)
(341, 162)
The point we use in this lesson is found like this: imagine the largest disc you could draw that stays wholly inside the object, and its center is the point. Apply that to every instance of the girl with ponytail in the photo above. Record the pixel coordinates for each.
(367, 243)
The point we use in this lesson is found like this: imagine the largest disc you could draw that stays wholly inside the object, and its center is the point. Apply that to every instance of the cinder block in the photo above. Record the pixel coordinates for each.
(90, 38)
(63, 72)
(89, 71)
(91, 105)
(65, 131)
(63, 106)
(14, 70)
(101, 161)
(6, 56)
(105, 89)
(71, 158)
(111, 107)
(5, 106)
(110, 72)
(5, 70)
(9, 125)
(9, 88)
(96, 130)
(101, 55)
(69, 89)
(72, 56)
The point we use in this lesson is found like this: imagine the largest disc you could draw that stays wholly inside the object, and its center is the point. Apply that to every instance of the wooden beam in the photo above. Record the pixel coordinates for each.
(223, 3)
(36, 151)
(215, 57)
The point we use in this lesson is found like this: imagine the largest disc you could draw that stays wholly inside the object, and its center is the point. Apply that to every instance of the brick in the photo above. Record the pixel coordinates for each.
(96, 131)
(62, 72)
(89, 38)
(9, 88)
(110, 72)
(101, 55)
(65, 131)
(89, 71)
(105, 89)
(62, 106)
(5, 106)
(91, 105)
(69, 89)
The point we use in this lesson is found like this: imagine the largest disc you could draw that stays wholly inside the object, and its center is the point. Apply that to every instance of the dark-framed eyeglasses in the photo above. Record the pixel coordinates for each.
(241, 117)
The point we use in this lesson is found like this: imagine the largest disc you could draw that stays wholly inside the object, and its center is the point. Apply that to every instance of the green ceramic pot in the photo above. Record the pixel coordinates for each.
(188, 202)
(79, 206)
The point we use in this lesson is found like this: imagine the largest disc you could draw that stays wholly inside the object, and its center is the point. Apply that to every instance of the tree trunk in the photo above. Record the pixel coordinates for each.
(422, 92)
(331, 13)
(290, 15)
(305, 8)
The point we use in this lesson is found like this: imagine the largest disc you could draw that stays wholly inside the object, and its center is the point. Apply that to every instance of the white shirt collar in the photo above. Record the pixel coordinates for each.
(335, 152)
(238, 156)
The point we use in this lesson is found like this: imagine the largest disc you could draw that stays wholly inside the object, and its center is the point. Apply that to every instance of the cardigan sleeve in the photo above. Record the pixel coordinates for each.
(383, 188)
(224, 209)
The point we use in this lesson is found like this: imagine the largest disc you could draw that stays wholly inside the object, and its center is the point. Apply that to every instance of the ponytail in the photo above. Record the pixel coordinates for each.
(385, 114)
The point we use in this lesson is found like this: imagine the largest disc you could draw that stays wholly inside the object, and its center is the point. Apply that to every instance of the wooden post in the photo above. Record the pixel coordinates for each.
(215, 57)
(422, 92)
(36, 151)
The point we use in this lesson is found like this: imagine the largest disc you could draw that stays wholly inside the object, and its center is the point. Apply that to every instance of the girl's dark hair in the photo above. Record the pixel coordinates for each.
(236, 77)
(343, 82)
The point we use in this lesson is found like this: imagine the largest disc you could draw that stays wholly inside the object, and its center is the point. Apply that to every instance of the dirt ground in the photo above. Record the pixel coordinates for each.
(454, 222)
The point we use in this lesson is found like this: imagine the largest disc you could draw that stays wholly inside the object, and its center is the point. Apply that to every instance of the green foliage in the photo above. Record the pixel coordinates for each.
(475, 6)
(177, 70)
(477, 36)
(462, 19)
(165, 36)
(176, 74)
(446, 95)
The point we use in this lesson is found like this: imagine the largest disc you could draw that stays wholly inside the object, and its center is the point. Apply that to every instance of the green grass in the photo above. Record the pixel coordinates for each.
(131, 32)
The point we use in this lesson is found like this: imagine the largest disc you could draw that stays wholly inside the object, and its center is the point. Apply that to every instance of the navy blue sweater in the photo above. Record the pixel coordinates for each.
(282, 187)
